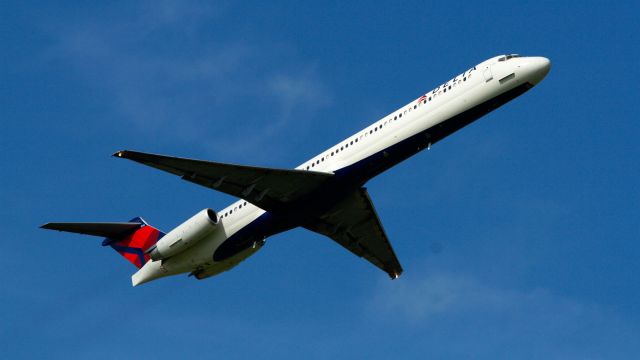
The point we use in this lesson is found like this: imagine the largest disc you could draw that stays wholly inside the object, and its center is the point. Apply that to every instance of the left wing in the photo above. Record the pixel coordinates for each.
(354, 224)
(269, 189)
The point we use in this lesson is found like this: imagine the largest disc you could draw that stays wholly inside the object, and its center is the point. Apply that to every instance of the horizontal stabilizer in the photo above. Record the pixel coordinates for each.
(103, 229)
(130, 239)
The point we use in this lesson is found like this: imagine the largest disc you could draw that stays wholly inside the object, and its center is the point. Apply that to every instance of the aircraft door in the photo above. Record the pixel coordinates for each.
(487, 74)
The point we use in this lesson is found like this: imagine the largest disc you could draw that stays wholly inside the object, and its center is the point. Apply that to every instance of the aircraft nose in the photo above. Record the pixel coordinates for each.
(539, 68)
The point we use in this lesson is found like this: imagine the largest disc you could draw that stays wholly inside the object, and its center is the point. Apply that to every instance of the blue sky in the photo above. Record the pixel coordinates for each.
(519, 235)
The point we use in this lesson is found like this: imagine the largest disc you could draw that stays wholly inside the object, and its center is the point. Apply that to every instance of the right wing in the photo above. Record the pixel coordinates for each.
(269, 189)
(354, 224)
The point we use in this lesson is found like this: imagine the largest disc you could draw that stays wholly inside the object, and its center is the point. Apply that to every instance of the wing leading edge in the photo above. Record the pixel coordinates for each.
(354, 224)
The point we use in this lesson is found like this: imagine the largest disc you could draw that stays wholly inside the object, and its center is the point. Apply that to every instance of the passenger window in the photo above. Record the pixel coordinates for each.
(395, 118)
(400, 115)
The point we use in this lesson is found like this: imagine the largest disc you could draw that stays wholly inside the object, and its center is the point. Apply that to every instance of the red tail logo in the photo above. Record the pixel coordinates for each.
(133, 246)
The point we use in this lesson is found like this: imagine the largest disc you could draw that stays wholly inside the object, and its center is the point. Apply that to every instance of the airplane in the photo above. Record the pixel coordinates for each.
(325, 194)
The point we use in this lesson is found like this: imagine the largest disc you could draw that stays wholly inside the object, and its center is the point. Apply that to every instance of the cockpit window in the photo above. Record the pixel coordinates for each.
(510, 56)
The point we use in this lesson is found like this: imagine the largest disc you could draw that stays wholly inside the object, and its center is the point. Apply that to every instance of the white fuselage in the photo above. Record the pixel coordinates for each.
(473, 87)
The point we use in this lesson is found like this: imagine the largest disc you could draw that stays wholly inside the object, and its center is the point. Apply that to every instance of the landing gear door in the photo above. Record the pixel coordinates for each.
(487, 74)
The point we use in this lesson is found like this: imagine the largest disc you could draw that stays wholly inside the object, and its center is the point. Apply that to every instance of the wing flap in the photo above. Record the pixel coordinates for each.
(354, 224)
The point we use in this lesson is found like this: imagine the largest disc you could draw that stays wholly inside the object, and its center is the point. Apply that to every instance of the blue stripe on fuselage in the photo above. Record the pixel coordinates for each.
(356, 175)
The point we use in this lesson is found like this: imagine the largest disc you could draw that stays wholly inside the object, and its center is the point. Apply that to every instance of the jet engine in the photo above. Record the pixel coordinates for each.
(185, 235)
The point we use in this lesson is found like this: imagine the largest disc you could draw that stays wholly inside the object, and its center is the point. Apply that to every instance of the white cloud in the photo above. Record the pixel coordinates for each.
(295, 90)
(446, 294)
(485, 319)
(171, 70)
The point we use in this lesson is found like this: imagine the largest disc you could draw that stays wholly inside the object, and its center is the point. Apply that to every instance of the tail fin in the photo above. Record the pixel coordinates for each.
(131, 239)
(133, 245)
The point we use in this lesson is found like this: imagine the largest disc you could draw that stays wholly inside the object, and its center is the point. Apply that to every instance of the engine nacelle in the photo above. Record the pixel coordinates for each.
(185, 235)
